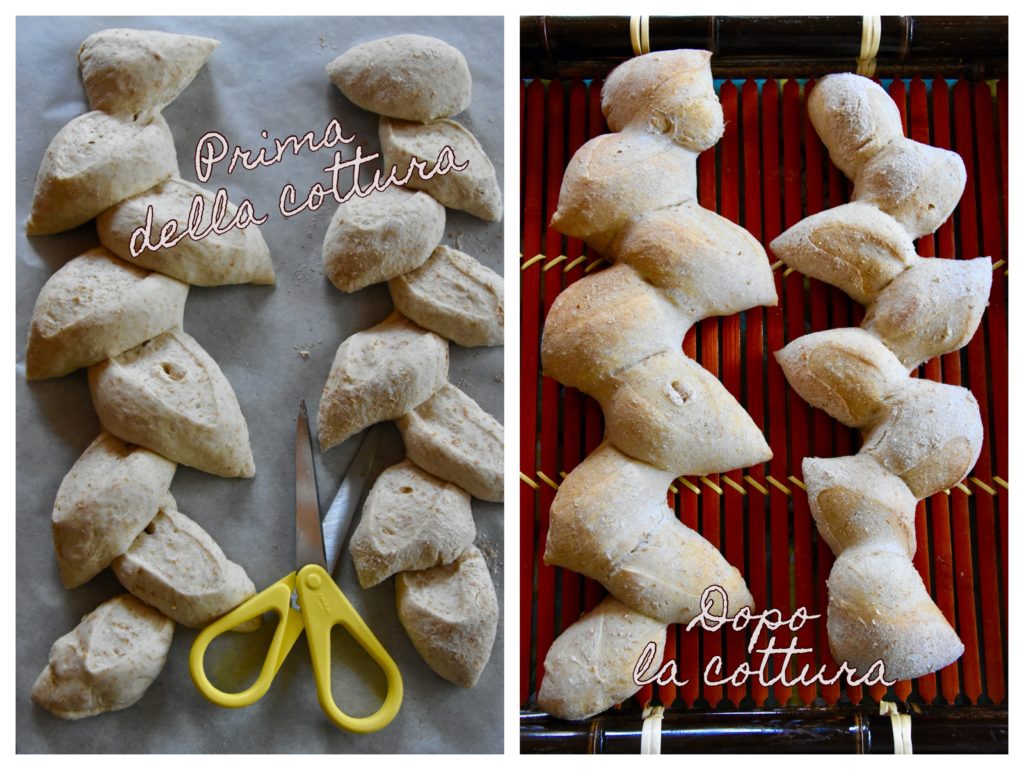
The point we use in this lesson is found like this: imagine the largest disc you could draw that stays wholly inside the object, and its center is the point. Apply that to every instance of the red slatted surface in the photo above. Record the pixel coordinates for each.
(768, 172)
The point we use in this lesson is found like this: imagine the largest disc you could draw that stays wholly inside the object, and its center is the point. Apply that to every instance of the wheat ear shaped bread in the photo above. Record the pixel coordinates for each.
(920, 437)
(113, 507)
(617, 335)
(417, 522)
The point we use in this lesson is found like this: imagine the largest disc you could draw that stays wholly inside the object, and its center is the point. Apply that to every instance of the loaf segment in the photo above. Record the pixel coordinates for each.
(380, 374)
(590, 667)
(134, 72)
(920, 437)
(95, 161)
(107, 662)
(610, 522)
(412, 77)
(411, 520)
(175, 566)
(107, 498)
(617, 335)
(97, 306)
(219, 259)
(170, 396)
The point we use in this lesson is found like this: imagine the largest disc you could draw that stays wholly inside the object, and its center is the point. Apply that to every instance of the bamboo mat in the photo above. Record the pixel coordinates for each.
(769, 171)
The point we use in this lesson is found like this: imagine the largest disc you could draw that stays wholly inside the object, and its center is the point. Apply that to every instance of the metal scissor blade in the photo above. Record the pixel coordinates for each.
(346, 502)
(309, 538)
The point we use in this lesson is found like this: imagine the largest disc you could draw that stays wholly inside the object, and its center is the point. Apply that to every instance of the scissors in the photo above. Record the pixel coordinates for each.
(308, 599)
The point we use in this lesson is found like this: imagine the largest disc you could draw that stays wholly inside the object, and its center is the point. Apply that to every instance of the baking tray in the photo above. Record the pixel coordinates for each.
(268, 73)
(769, 171)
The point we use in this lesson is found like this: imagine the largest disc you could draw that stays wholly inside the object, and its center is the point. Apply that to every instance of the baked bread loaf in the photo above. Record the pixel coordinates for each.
(450, 436)
(411, 520)
(920, 437)
(107, 662)
(97, 306)
(451, 615)
(168, 395)
(236, 256)
(176, 567)
(474, 189)
(381, 236)
(95, 161)
(617, 335)
(107, 498)
(454, 295)
(590, 667)
(136, 73)
(380, 374)
(412, 77)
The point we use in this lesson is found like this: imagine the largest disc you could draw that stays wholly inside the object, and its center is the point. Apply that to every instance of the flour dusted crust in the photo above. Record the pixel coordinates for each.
(855, 247)
(133, 72)
(906, 630)
(590, 667)
(920, 436)
(176, 567)
(450, 436)
(412, 77)
(451, 616)
(411, 520)
(97, 306)
(236, 256)
(107, 498)
(380, 374)
(170, 396)
(932, 308)
(454, 295)
(615, 177)
(849, 373)
(381, 236)
(474, 189)
(95, 161)
(669, 94)
(610, 522)
(107, 662)
(617, 335)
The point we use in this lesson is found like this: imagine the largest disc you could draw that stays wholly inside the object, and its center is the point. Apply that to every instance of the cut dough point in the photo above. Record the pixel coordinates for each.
(455, 296)
(170, 396)
(450, 436)
(381, 236)
(411, 520)
(97, 306)
(412, 77)
(95, 161)
(236, 256)
(380, 374)
(474, 189)
(175, 566)
(107, 662)
(107, 498)
(451, 616)
(136, 72)
(590, 667)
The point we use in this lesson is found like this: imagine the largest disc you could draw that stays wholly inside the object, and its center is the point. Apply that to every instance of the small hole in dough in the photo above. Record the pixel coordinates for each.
(173, 371)
(405, 490)
(682, 390)
(151, 528)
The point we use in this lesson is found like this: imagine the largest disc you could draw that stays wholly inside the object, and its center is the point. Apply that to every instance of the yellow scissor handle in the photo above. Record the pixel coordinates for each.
(276, 598)
(323, 607)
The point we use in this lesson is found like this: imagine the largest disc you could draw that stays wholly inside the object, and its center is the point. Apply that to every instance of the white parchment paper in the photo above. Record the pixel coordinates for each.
(268, 74)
